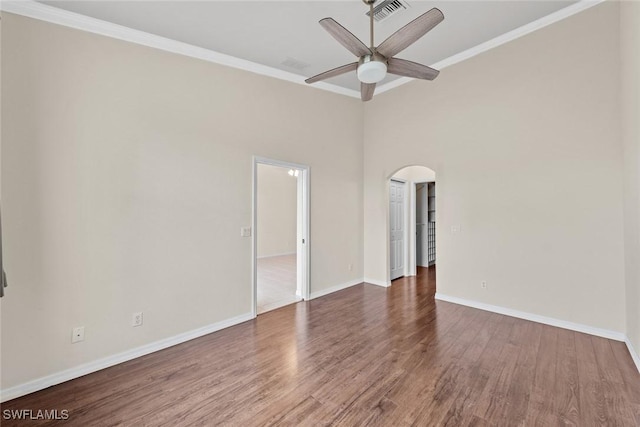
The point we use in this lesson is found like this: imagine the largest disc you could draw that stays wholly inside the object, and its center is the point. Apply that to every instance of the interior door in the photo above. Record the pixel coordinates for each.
(396, 226)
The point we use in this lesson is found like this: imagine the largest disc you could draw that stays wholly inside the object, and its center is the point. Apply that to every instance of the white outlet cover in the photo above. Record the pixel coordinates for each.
(137, 319)
(77, 334)
(245, 231)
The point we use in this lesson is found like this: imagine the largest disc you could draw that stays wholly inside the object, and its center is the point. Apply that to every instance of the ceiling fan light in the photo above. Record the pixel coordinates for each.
(372, 71)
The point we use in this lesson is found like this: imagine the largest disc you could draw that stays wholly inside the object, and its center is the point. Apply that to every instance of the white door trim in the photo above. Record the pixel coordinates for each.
(410, 231)
(413, 259)
(302, 227)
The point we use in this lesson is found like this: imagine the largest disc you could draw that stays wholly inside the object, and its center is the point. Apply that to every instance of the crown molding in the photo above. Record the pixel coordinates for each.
(54, 15)
(43, 12)
(500, 40)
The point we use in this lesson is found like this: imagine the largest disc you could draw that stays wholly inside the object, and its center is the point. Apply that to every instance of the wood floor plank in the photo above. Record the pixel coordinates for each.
(478, 389)
(433, 376)
(635, 409)
(566, 389)
(520, 388)
(630, 374)
(543, 409)
(612, 382)
(362, 356)
(604, 354)
(465, 398)
(456, 376)
(369, 403)
(308, 411)
(593, 409)
(493, 402)
(441, 373)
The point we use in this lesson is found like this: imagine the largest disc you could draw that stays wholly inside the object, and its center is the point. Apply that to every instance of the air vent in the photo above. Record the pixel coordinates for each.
(386, 8)
(295, 64)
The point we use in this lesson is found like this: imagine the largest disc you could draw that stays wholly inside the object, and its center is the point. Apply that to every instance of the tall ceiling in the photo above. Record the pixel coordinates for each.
(285, 34)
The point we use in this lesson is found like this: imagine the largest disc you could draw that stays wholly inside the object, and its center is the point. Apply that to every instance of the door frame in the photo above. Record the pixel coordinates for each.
(414, 206)
(410, 259)
(302, 227)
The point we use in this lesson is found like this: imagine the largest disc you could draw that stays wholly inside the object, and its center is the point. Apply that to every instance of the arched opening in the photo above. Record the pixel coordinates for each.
(411, 221)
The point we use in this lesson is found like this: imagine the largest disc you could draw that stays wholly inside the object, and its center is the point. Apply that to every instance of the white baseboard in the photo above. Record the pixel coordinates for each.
(605, 333)
(275, 255)
(96, 365)
(377, 282)
(633, 352)
(327, 291)
(280, 304)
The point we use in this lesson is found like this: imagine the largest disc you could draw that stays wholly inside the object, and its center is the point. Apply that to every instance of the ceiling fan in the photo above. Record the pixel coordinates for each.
(375, 62)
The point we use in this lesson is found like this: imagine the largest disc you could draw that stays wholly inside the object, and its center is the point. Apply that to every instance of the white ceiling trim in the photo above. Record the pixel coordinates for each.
(500, 40)
(43, 12)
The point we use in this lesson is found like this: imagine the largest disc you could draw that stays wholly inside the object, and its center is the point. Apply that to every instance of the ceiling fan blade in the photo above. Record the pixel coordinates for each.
(402, 67)
(345, 37)
(411, 32)
(366, 91)
(332, 73)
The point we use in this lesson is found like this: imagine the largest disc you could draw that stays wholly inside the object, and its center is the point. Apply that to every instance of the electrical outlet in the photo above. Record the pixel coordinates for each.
(483, 285)
(245, 231)
(136, 320)
(350, 267)
(455, 228)
(77, 334)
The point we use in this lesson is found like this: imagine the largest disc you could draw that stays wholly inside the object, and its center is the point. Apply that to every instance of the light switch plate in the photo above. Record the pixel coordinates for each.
(245, 231)
(136, 319)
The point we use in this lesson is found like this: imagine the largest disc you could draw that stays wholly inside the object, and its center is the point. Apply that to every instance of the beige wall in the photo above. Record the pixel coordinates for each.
(514, 136)
(126, 177)
(277, 211)
(630, 97)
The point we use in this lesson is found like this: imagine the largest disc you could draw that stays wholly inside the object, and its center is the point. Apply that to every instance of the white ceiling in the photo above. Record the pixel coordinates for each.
(273, 32)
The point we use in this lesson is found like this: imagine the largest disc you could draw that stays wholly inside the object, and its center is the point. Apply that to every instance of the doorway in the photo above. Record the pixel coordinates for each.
(280, 237)
(425, 224)
(412, 215)
(422, 226)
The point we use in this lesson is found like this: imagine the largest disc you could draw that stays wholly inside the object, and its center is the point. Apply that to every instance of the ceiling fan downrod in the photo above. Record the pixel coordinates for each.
(370, 3)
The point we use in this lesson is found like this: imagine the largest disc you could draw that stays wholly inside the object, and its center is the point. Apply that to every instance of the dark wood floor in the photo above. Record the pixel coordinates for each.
(364, 356)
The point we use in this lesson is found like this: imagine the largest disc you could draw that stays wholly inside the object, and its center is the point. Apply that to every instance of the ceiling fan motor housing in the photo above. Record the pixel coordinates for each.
(372, 68)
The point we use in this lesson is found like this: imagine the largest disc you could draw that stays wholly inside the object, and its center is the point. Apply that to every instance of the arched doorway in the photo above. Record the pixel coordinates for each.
(412, 219)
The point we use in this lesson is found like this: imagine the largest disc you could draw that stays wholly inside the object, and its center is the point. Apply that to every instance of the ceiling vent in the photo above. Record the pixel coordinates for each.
(295, 64)
(385, 9)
